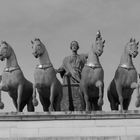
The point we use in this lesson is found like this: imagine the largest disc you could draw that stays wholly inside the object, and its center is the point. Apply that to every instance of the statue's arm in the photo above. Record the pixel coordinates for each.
(62, 71)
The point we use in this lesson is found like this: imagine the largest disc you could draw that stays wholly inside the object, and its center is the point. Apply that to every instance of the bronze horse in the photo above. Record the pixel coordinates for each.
(92, 77)
(13, 80)
(46, 82)
(125, 79)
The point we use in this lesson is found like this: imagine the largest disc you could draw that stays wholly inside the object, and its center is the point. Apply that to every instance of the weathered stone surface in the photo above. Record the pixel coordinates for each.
(70, 126)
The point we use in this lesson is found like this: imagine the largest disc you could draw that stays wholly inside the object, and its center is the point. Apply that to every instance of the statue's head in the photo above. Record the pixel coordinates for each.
(132, 47)
(99, 44)
(74, 46)
(5, 50)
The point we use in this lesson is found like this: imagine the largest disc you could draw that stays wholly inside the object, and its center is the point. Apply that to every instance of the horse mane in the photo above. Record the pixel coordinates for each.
(8, 45)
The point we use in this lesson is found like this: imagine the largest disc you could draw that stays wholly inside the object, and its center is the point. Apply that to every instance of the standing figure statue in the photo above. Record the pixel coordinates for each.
(70, 71)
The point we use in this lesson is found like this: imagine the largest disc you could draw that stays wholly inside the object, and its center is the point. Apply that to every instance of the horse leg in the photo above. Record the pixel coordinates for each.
(86, 98)
(22, 105)
(119, 91)
(136, 86)
(45, 103)
(113, 103)
(1, 103)
(30, 106)
(91, 104)
(52, 94)
(14, 102)
(34, 100)
(99, 85)
(19, 91)
(126, 103)
(58, 99)
(95, 106)
(57, 103)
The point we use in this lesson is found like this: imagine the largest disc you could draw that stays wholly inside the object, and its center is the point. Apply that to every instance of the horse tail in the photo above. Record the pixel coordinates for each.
(111, 91)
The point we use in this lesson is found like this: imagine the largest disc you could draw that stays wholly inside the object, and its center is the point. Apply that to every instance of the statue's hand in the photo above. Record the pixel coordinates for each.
(67, 74)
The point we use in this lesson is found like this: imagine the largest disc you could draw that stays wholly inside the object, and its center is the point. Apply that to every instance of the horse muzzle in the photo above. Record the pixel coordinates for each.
(134, 54)
(35, 55)
(99, 53)
(2, 58)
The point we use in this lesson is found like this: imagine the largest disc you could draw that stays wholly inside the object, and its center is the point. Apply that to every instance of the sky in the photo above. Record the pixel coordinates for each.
(58, 22)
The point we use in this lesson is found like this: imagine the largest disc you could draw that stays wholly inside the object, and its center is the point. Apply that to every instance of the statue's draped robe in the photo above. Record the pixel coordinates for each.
(73, 64)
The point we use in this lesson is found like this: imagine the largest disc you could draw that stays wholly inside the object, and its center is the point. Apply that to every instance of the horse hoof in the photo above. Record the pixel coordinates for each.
(88, 112)
(100, 102)
(122, 111)
(35, 102)
(51, 109)
(1, 105)
(137, 104)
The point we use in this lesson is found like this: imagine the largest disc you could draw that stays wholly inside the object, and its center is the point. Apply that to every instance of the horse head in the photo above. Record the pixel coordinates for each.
(5, 50)
(132, 48)
(38, 48)
(99, 44)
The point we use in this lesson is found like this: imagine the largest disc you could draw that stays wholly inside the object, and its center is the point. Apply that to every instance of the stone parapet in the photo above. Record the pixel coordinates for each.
(70, 125)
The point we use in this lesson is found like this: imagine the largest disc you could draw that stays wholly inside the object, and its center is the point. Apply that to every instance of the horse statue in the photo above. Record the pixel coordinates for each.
(13, 80)
(92, 77)
(125, 79)
(46, 82)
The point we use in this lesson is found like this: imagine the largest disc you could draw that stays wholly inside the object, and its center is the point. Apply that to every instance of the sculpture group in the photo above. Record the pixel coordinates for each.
(84, 70)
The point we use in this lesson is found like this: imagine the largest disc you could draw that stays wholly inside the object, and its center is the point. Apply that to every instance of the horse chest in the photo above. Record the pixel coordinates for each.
(9, 81)
(95, 74)
(128, 79)
(42, 78)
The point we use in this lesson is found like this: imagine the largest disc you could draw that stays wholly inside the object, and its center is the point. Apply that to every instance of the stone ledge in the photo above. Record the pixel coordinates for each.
(70, 125)
(76, 115)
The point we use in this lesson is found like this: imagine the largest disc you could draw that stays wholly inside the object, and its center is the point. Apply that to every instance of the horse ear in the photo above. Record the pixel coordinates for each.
(2, 41)
(32, 42)
(104, 42)
(131, 39)
(134, 40)
(37, 39)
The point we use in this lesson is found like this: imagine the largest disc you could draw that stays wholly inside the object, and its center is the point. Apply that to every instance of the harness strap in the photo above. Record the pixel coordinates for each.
(11, 69)
(126, 67)
(93, 66)
(43, 66)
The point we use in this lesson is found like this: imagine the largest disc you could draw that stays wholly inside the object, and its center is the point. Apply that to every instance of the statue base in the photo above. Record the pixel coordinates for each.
(98, 125)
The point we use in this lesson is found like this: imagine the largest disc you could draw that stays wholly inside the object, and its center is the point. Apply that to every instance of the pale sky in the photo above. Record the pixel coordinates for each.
(58, 22)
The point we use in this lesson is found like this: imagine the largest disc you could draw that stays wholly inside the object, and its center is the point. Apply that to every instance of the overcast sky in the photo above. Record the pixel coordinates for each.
(58, 22)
